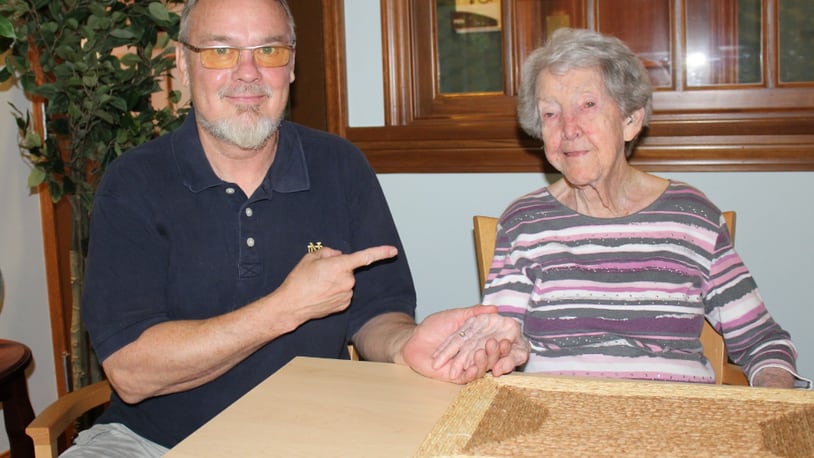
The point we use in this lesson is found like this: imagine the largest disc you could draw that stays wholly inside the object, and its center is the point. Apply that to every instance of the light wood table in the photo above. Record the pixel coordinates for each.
(323, 407)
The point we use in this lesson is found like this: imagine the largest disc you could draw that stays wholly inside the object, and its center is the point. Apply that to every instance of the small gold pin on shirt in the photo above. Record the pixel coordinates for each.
(314, 247)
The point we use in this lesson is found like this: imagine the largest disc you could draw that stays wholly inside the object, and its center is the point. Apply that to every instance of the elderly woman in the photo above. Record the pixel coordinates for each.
(610, 270)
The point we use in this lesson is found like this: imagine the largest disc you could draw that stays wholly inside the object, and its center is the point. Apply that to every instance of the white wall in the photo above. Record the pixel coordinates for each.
(434, 211)
(24, 313)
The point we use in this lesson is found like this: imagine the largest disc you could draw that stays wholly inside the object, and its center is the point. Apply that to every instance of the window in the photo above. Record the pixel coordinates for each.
(733, 91)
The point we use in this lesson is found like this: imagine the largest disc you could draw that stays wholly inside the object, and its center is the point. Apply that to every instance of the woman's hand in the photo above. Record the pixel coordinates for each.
(774, 377)
(483, 335)
(426, 349)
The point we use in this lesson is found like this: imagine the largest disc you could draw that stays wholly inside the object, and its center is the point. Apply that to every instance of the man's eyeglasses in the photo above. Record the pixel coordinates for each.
(220, 57)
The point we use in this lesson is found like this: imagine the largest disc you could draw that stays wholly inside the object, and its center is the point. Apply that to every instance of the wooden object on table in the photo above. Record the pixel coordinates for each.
(726, 373)
(323, 407)
(537, 415)
(52, 422)
(17, 410)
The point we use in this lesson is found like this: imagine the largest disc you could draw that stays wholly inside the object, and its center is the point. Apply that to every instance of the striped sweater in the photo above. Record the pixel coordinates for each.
(626, 297)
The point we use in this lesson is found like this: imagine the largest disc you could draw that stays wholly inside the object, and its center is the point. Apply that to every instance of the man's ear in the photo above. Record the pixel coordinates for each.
(292, 76)
(181, 64)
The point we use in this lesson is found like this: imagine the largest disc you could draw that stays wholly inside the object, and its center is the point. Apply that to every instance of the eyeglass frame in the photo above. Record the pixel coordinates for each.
(198, 49)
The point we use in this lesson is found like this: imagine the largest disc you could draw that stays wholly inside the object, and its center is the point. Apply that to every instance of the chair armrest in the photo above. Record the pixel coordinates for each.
(46, 428)
(733, 375)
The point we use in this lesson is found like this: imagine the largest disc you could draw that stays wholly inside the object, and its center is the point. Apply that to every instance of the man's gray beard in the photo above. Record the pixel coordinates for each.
(251, 135)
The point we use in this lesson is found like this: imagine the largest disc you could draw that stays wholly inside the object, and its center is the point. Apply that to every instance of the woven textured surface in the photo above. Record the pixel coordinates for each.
(523, 415)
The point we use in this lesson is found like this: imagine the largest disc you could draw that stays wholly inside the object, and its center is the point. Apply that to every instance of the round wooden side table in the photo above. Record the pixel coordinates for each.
(17, 411)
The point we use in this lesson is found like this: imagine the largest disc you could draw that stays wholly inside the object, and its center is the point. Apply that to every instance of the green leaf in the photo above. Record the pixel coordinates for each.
(122, 33)
(122, 136)
(90, 80)
(89, 33)
(64, 71)
(55, 189)
(7, 28)
(73, 111)
(48, 91)
(53, 9)
(32, 140)
(118, 17)
(130, 59)
(119, 103)
(175, 96)
(36, 177)
(159, 11)
(5, 74)
(66, 52)
(48, 31)
(72, 23)
(105, 116)
(28, 82)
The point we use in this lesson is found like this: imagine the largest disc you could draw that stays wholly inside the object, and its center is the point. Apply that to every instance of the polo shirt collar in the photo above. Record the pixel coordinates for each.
(288, 172)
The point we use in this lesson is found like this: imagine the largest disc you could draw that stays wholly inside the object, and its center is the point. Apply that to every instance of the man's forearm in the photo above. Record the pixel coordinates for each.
(176, 356)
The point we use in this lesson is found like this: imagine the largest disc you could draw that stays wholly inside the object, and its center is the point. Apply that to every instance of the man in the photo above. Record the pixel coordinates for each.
(226, 248)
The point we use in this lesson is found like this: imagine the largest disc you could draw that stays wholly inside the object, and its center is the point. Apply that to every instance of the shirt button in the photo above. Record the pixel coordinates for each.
(249, 212)
(230, 191)
(250, 242)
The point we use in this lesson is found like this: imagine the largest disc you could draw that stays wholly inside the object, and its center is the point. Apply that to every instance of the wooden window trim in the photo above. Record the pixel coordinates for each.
(443, 134)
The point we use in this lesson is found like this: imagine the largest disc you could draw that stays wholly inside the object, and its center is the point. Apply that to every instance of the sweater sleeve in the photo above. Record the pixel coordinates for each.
(507, 285)
(734, 306)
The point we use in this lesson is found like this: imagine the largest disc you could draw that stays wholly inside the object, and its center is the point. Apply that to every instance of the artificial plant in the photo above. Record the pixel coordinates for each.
(95, 68)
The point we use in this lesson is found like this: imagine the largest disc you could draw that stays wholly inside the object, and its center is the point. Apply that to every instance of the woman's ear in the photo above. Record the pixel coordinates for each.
(633, 124)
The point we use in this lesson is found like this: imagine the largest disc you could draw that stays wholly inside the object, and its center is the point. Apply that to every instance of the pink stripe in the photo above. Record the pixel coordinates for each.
(553, 286)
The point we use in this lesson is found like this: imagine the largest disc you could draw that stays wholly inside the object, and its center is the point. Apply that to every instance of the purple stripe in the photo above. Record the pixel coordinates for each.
(666, 325)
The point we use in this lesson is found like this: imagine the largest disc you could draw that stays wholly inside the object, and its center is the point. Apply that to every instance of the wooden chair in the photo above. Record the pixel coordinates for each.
(53, 422)
(726, 373)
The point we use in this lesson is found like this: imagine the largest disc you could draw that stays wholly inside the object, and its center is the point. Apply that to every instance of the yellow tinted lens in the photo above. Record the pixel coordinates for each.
(219, 57)
(272, 56)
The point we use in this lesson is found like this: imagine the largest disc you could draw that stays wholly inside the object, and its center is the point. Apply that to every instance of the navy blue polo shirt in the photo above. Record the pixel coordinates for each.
(169, 240)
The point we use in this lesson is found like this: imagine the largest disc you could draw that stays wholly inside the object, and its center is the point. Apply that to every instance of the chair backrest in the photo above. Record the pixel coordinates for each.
(485, 229)
(485, 232)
